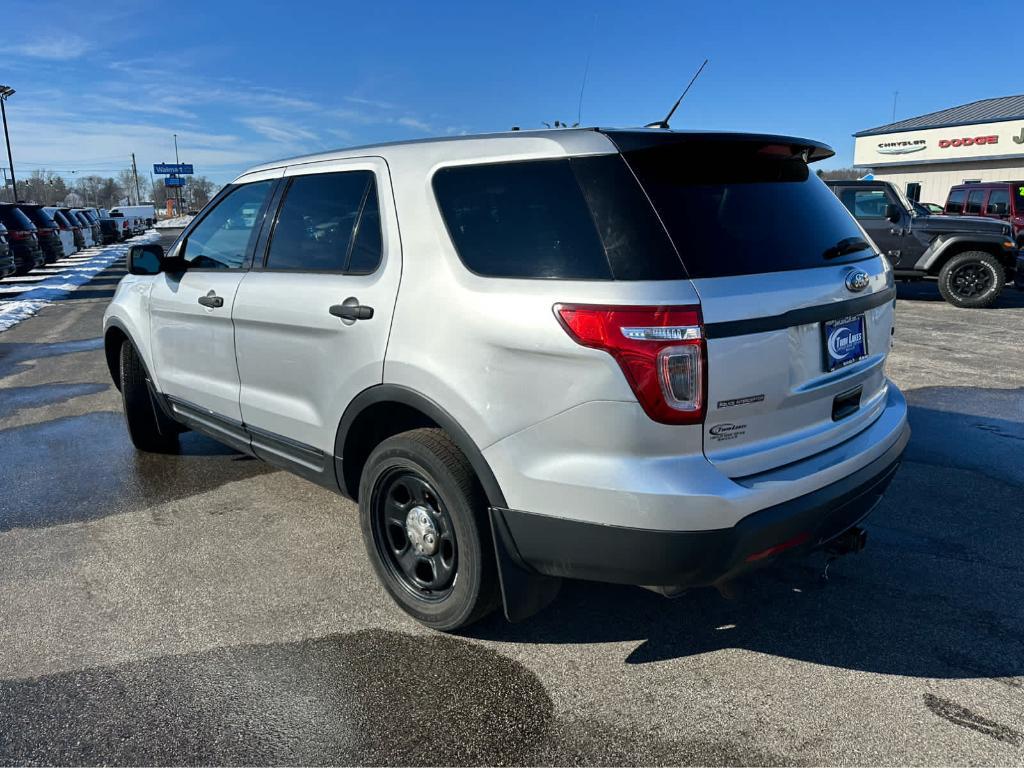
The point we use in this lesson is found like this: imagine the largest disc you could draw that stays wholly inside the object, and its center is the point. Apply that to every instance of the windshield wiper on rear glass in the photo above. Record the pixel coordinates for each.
(845, 246)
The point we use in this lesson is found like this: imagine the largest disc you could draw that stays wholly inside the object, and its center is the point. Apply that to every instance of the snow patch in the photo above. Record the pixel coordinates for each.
(43, 293)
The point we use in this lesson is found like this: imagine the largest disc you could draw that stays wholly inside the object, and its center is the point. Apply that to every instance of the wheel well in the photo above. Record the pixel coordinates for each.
(372, 426)
(956, 250)
(112, 342)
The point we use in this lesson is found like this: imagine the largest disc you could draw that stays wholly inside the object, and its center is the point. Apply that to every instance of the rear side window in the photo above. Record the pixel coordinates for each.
(975, 201)
(865, 203)
(737, 208)
(998, 202)
(955, 203)
(578, 219)
(328, 222)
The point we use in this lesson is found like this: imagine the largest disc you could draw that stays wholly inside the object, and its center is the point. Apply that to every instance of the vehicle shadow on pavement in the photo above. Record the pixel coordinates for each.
(938, 593)
(926, 290)
(374, 697)
(84, 467)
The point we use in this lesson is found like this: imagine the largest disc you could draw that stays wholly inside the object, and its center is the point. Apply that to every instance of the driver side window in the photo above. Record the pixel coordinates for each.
(226, 234)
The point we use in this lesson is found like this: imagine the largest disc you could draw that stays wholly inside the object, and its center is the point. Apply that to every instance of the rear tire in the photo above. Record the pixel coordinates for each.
(423, 477)
(972, 280)
(149, 429)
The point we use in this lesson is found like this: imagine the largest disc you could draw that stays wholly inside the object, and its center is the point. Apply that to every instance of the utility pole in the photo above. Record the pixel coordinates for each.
(5, 93)
(135, 173)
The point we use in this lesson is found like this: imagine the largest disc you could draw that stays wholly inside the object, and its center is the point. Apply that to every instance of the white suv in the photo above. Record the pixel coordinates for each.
(646, 357)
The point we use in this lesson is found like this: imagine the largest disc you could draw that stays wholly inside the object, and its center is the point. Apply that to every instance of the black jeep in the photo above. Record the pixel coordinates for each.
(972, 257)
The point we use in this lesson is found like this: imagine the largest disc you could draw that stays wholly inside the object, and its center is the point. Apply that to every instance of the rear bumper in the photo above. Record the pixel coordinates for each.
(555, 546)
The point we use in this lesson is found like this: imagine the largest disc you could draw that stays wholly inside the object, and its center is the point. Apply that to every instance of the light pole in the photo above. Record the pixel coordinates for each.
(5, 93)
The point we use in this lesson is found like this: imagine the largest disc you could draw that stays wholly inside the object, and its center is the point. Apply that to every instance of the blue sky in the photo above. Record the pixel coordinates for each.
(246, 82)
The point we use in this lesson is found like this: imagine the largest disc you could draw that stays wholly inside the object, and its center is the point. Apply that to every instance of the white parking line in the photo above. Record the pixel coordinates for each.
(56, 284)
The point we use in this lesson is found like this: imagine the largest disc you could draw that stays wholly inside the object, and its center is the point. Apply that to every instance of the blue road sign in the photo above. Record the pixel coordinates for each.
(162, 169)
(174, 181)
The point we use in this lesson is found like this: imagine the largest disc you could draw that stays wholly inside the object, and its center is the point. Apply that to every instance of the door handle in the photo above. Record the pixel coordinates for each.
(211, 300)
(352, 311)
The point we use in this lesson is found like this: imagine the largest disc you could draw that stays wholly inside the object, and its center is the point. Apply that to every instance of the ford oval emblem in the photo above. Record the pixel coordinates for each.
(857, 280)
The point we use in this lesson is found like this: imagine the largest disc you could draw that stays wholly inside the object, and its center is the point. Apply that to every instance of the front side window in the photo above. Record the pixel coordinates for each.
(225, 235)
(975, 201)
(955, 203)
(328, 222)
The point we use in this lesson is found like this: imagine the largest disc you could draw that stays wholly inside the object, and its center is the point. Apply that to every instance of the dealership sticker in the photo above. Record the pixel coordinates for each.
(741, 401)
(722, 432)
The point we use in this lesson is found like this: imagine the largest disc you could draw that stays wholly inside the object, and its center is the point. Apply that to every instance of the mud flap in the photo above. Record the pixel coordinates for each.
(524, 592)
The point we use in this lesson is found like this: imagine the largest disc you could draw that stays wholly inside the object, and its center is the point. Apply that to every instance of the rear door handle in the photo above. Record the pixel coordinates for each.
(352, 311)
(211, 300)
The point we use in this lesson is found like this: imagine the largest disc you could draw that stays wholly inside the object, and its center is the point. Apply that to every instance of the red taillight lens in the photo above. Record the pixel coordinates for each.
(21, 234)
(660, 350)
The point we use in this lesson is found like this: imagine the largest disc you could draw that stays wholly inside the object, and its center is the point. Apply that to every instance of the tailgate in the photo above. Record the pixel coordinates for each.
(788, 374)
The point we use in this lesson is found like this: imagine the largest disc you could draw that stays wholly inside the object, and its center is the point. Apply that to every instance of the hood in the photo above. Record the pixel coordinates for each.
(951, 224)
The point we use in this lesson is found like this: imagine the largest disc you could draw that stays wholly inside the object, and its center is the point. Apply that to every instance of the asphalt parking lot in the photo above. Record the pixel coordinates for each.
(205, 608)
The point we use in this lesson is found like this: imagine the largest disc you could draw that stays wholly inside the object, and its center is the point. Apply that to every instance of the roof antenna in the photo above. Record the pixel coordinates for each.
(664, 123)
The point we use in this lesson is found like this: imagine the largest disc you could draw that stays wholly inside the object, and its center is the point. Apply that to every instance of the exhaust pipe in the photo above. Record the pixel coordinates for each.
(849, 542)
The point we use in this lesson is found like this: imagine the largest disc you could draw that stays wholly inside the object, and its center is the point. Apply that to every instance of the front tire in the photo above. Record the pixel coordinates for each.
(149, 429)
(426, 531)
(972, 280)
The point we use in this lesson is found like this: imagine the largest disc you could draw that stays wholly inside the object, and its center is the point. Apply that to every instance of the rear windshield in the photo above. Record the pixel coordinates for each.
(40, 218)
(581, 219)
(61, 219)
(734, 209)
(13, 218)
(88, 216)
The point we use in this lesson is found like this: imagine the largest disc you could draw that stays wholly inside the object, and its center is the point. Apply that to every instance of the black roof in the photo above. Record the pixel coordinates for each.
(984, 111)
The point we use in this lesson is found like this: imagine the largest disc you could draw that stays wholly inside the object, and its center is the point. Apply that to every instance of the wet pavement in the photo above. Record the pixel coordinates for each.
(205, 608)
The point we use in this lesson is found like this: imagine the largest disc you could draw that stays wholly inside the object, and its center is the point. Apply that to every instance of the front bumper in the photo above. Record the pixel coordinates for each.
(554, 546)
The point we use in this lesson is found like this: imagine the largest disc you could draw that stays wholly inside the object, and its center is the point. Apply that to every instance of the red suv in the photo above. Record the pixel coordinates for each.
(994, 199)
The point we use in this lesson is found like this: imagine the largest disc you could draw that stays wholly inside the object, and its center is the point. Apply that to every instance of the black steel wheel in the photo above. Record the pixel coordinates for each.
(414, 534)
(972, 280)
(424, 521)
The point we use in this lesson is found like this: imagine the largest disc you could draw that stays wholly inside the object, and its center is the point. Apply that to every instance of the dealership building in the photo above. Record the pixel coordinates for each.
(925, 156)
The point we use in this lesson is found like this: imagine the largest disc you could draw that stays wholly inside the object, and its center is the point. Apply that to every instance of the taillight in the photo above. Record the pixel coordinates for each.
(661, 351)
(21, 234)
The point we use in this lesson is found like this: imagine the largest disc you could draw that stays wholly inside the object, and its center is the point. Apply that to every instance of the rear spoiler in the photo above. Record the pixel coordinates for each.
(643, 138)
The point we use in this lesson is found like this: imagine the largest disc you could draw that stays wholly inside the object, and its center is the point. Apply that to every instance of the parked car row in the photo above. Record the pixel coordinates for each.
(33, 235)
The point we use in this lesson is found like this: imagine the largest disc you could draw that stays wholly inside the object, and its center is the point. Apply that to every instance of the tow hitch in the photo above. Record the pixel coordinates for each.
(846, 543)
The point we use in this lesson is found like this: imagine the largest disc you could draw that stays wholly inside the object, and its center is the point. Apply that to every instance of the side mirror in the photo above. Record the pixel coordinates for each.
(893, 213)
(146, 259)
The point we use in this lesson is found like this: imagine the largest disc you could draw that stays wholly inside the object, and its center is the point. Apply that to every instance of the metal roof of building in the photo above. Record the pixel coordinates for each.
(984, 111)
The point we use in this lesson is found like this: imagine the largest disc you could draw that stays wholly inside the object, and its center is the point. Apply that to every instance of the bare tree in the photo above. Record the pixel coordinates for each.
(842, 174)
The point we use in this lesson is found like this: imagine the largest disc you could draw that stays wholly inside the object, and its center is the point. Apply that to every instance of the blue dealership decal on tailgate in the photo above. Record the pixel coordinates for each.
(845, 341)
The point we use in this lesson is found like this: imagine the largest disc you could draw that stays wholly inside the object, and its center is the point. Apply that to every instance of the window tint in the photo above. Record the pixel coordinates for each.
(62, 220)
(525, 219)
(865, 203)
(736, 208)
(319, 226)
(14, 219)
(223, 238)
(40, 218)
(367, 246)
(583, 219)
(999, 202)
(955, 203)
(975, 200)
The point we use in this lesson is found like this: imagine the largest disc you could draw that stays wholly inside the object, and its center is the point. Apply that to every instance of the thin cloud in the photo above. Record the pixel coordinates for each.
(282, 131)
(58, 46)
